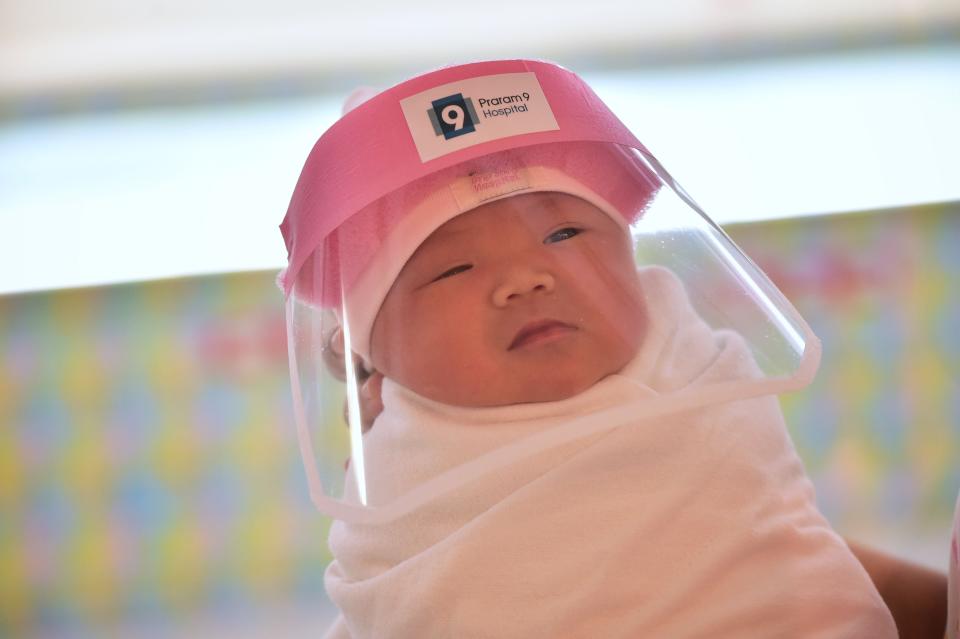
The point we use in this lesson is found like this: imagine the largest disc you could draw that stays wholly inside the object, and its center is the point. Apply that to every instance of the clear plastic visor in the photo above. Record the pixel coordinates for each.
(427, 356)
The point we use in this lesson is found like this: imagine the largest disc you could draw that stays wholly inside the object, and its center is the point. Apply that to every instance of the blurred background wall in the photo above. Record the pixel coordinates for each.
(149, 477)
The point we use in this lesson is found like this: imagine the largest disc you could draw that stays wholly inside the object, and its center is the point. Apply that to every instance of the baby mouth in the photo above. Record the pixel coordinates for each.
(540, 332)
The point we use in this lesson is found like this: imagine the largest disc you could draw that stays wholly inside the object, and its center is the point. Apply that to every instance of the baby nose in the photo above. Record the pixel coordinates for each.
(521, 282)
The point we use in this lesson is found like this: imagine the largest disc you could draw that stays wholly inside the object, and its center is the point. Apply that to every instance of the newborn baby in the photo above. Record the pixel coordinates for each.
(528, 311)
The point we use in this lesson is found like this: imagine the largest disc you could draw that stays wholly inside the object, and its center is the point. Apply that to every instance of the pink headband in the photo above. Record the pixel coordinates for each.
(386, 145)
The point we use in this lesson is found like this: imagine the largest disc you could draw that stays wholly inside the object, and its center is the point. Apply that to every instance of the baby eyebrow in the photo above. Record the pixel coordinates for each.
(447, 234)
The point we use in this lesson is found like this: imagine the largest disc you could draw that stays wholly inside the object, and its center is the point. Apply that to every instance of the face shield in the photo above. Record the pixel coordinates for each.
(521, 272)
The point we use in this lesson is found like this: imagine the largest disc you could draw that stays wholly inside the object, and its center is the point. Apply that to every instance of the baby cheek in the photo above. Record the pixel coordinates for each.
(456, 335)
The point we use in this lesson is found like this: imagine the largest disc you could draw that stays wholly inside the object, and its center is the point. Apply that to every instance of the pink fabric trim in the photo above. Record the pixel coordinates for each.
(369, 152)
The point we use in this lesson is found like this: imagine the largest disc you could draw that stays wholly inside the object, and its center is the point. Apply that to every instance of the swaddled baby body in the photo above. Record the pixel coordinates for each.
(526, 312)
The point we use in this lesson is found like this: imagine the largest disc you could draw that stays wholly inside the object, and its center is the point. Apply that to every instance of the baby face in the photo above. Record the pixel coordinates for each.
(532, 298)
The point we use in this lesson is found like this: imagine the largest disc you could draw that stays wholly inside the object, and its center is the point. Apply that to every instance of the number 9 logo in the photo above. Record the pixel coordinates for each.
(453, 114)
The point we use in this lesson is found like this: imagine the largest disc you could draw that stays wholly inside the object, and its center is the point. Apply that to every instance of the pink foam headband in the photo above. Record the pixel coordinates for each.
(396, 148)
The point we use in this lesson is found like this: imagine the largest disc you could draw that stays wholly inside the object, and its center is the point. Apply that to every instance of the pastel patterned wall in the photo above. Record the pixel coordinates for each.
(147, 463)
(149, 471)
(880, 427)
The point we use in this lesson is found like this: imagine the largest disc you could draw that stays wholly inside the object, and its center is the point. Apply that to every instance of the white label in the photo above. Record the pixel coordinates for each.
(471, 190)
(458, 115)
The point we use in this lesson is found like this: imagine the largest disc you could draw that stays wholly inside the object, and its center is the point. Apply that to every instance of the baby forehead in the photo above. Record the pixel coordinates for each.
(526, 210)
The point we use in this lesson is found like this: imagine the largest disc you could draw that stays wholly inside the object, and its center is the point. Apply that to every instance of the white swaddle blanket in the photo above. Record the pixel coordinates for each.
(702, 524)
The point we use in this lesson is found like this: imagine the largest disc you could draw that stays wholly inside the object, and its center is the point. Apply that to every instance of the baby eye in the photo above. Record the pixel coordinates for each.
(562, 234)
(453, 271)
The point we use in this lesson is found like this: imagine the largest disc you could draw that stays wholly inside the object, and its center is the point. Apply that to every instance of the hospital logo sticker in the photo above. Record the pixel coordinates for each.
(488, 107)
(452, 116)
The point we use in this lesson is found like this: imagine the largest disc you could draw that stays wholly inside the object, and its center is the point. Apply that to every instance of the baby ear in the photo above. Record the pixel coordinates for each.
(369, 380)
(371, 400)
(334, 357)
(332, 351)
